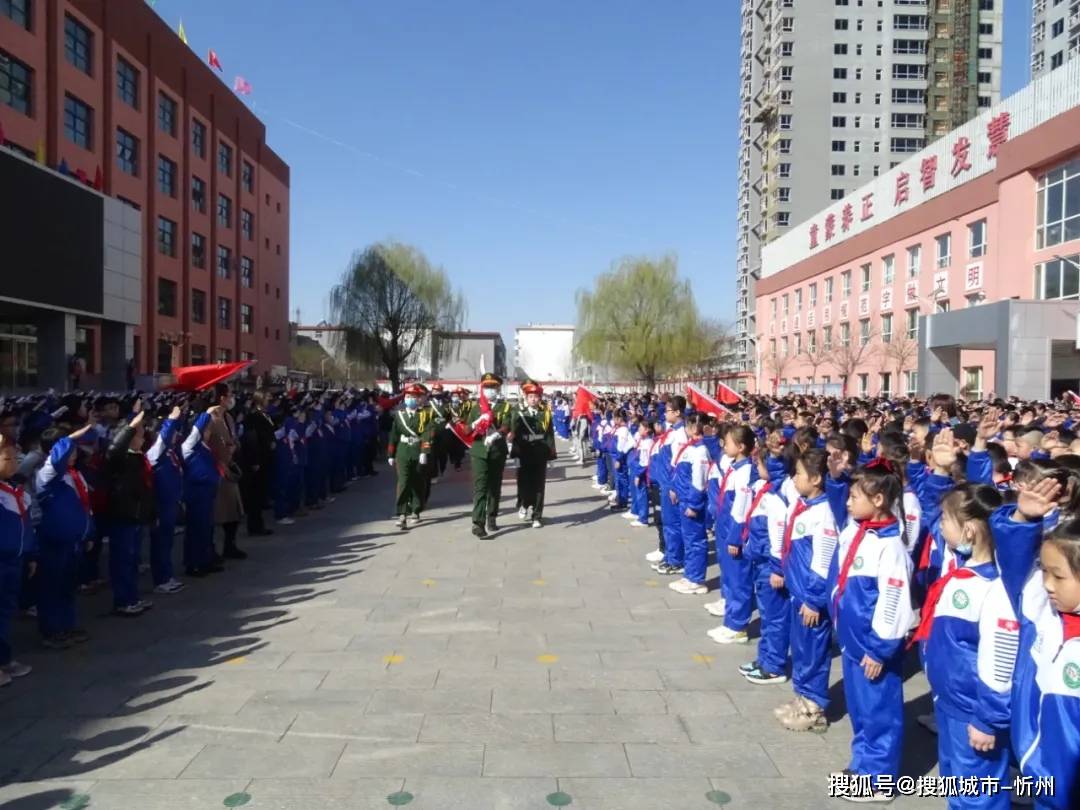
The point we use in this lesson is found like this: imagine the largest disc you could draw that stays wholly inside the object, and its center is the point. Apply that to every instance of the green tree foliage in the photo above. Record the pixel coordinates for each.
(641, 319)
(390, 299)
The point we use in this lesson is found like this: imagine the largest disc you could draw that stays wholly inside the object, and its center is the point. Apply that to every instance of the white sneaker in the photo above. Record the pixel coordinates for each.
(716, 608)
(286, 521)
(172, 586)
(16, 670)
(637, 524)
(685, 586)
(655, 556)
(628, 515)
(725, 635)
(523, 513)
(536, 524)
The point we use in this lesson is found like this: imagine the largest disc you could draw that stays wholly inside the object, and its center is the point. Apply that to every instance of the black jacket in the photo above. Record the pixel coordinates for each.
(131, 484)
(257, 443)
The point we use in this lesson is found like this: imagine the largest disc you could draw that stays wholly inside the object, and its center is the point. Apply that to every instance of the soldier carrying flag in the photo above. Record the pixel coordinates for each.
(534, 445)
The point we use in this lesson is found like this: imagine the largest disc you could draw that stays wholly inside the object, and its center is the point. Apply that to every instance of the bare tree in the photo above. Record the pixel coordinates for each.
(816, 358)
(902, 352)
(847, 358)
(778, 363)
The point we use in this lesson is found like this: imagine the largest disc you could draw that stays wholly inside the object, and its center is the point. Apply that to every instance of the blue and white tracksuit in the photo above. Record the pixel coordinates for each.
(1046, 683)
(67, 525)
(811, 537)
(764, 533)
(661, 471)
(690, 476)
(969, 660)
(623, 446)
(18, 542)
(872, 617)
(736, 578)
(638, 461)
(168, 492)
(599, 430)
(201, 480)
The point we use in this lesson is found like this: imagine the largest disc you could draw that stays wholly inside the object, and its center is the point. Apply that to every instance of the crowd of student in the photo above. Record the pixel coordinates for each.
(944, 530)
(82, 471)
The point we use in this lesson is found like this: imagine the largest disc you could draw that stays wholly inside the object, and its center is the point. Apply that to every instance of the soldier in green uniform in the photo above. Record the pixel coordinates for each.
(457, 411)
(534, 446)
(488, 454)
(441, 438)
(408, 450)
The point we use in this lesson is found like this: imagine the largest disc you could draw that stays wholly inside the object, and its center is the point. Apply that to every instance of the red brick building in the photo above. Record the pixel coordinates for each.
(106, 85)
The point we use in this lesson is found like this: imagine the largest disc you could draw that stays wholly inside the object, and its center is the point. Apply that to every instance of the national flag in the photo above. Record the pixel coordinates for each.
(181, 33)
(63, 168)
(583, 400)
(199, 378)
(3, 140)
(241, 86)
(213, 61)
(469, 433)
(99, 179)
(1071, 397)
(726, 395)
(80, 175)
(704, 403)
(39, 155)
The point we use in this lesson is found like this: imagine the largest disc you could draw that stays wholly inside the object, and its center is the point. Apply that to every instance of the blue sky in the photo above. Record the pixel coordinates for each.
(522, 146)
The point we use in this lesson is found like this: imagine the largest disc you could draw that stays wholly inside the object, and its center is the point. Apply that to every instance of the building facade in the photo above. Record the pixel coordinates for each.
(544, 352)
(467, 355)
(1055, 34)
(108, 90)
(867, 84)
(989, 212)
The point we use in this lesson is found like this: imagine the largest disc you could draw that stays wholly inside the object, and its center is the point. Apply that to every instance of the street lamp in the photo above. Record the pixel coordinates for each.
(322, 367)
(348, 375)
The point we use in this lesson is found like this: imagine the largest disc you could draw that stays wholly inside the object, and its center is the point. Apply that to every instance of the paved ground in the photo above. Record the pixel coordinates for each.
(348, 665)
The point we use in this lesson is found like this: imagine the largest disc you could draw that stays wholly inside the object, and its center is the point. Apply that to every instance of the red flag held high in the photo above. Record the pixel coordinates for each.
(241, 86)
(468, 433)
(213, 61)
(199, 378)
(1072, 398)
(99, 179)
(704, 403)
(726, 395)
(583, 401)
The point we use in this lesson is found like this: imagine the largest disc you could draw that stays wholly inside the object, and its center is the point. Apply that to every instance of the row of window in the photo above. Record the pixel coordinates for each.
(198, 355)
(862, 384)
(167, 305)
(167, 246)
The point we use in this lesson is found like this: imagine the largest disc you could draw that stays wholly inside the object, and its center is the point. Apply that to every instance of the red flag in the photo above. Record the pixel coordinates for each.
(3, 140)
(704, 403)
(99, 179)
(469, 433)
(241, 86)
(80, 175)
(199, 378)
(213, 61)
(1072, 399)
(582, 402)
(726, 395)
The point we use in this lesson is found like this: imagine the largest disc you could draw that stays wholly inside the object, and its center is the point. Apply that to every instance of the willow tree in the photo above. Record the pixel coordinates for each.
(391, 300)
(641, 320)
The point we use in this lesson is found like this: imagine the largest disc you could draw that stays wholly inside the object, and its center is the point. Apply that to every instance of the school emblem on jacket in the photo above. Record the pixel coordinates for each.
(858, 564)
(800, 528)
(960, 600)
(1071, 675)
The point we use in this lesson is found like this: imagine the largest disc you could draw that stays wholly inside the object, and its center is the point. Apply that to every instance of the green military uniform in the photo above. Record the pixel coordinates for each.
(410, 437)
(441, 438)
(488, 455)
(455, 447)
(534, 446)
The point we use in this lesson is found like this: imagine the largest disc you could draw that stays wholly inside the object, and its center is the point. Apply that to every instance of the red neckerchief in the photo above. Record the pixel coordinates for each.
(924, 558)
(148, 474)
(80, 488)
(1070, 625)
(860, 533)
(682, 450)
(754, 505)
(17, 493)
(933, 596)
(800, 507)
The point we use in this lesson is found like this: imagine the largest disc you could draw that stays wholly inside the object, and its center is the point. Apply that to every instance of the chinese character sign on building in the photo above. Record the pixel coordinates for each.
(973, 278)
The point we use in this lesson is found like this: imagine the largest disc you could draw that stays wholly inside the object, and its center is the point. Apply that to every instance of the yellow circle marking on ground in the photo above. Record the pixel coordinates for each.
(427, 582)
(393, 659)
(622, 540)
(651, 583)
(540, 582)
(702, 659)
(546, 658)
(238, 660)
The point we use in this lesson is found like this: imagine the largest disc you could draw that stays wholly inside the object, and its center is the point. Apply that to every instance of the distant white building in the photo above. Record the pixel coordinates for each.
(544, 352)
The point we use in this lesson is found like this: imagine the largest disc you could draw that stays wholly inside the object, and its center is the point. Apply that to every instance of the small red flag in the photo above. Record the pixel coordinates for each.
(704, 403)
(241, 86)
(99, 179)
(726, 395)
(583, 401)
(199, 378)
(80, 175)
(213, 61)
(3, 140)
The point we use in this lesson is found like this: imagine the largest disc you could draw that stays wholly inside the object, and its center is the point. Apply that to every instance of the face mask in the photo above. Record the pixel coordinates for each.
(455, 400)
(964, 549)
(410, 402)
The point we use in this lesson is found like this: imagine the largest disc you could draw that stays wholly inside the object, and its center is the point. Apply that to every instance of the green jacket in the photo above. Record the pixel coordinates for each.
(501, 422)
(410, 434)
(532, 429)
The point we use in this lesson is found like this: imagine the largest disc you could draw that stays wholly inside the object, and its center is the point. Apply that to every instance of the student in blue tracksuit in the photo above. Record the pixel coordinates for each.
(18, 544)
(732, 513)
(597, 428)
(1041, 574)
(639, 465)
(763, 542)
(970, 636)
(201, 478)
(285, 462)
(662, 473)
(64, 533)
(297, 428)
(807, 551)
(339, 434)
(689, 482)
(871, 608)
(169, 490)
(622, 442)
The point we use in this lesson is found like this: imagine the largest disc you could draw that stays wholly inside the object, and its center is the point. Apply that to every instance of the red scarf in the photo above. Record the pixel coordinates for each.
(17, 493)
(1070, 625)
(80, 488)
(800, 507)
(849, 560)
(148, 474)
(757, 501)
(682, 450)
(657, 446)
(933, 596)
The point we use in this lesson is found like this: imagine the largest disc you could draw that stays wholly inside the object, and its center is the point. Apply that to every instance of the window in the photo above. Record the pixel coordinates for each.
(798, 344)
(986, 29)
(247, 319)
(888, 270)
(78, 122)
(864, 385)
(908, 95)
(914, 260)
(1058, 278)
(247, 224)
(166, 231)
(908, 121)
(785, 121)
(127, 82)
(836, 194)
(986, 53)
(198, 194)
(986, 5)
(787, 307)
(166, 176)
(247, 177)
(943, 305)
(845, 334)
(198, 138)
(18, 11)
(973, 382)
(907, 145)
(224, 356)
(886, 328)
(198, 353)
(247, 272)
(166, 114)
(1056, 60)
(224, 313)
(787, 48)
(784, 194)
(785, 146)
(913, 323)
(905, 46)
(828, 290)
(840, 25)
(839, 73)
(224, 159)
(787, 24)
(811, 341)
(224, 211)
(785, 170)
(166, 297)
(944, 249)
(198, 250)
(1058, 204)
(127, 152)
(977, 238)
(198, 306)
(909, 22)
(839, 98)
(224, 262)
(78, 44)
(838, 170)
(812, 295)
(783, 219)
(839, 146)
(985, 77)
(826, 338)
(798, 300)
(840, 49)
(16, 84)
(839, 121)
(164, 356)
(908, 71)
(864, 275)
(845, 284)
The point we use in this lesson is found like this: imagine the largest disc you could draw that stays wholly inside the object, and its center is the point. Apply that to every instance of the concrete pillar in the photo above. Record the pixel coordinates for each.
(55, 346)
(117, 345)
(1027, 367)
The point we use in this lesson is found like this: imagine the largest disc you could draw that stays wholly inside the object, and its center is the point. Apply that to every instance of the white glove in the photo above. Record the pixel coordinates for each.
(423, 458)
(490, 440)
(390, 461)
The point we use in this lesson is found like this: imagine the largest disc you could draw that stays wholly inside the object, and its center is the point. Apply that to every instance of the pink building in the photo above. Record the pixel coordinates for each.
(989, 212)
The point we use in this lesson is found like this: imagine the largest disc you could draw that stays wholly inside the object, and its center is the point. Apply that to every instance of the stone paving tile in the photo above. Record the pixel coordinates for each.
(719, 759)
(162, 794)
(434, 701)
(638, 702)
(476, 793)
(492, 729)
(638, 794)
(537, 678)
(645, 728)
(333, 724)
(148, 757)
(287, 759)
(406, 675)
(566, 759)
(418, 759)
(606, 678)
(552, 701)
